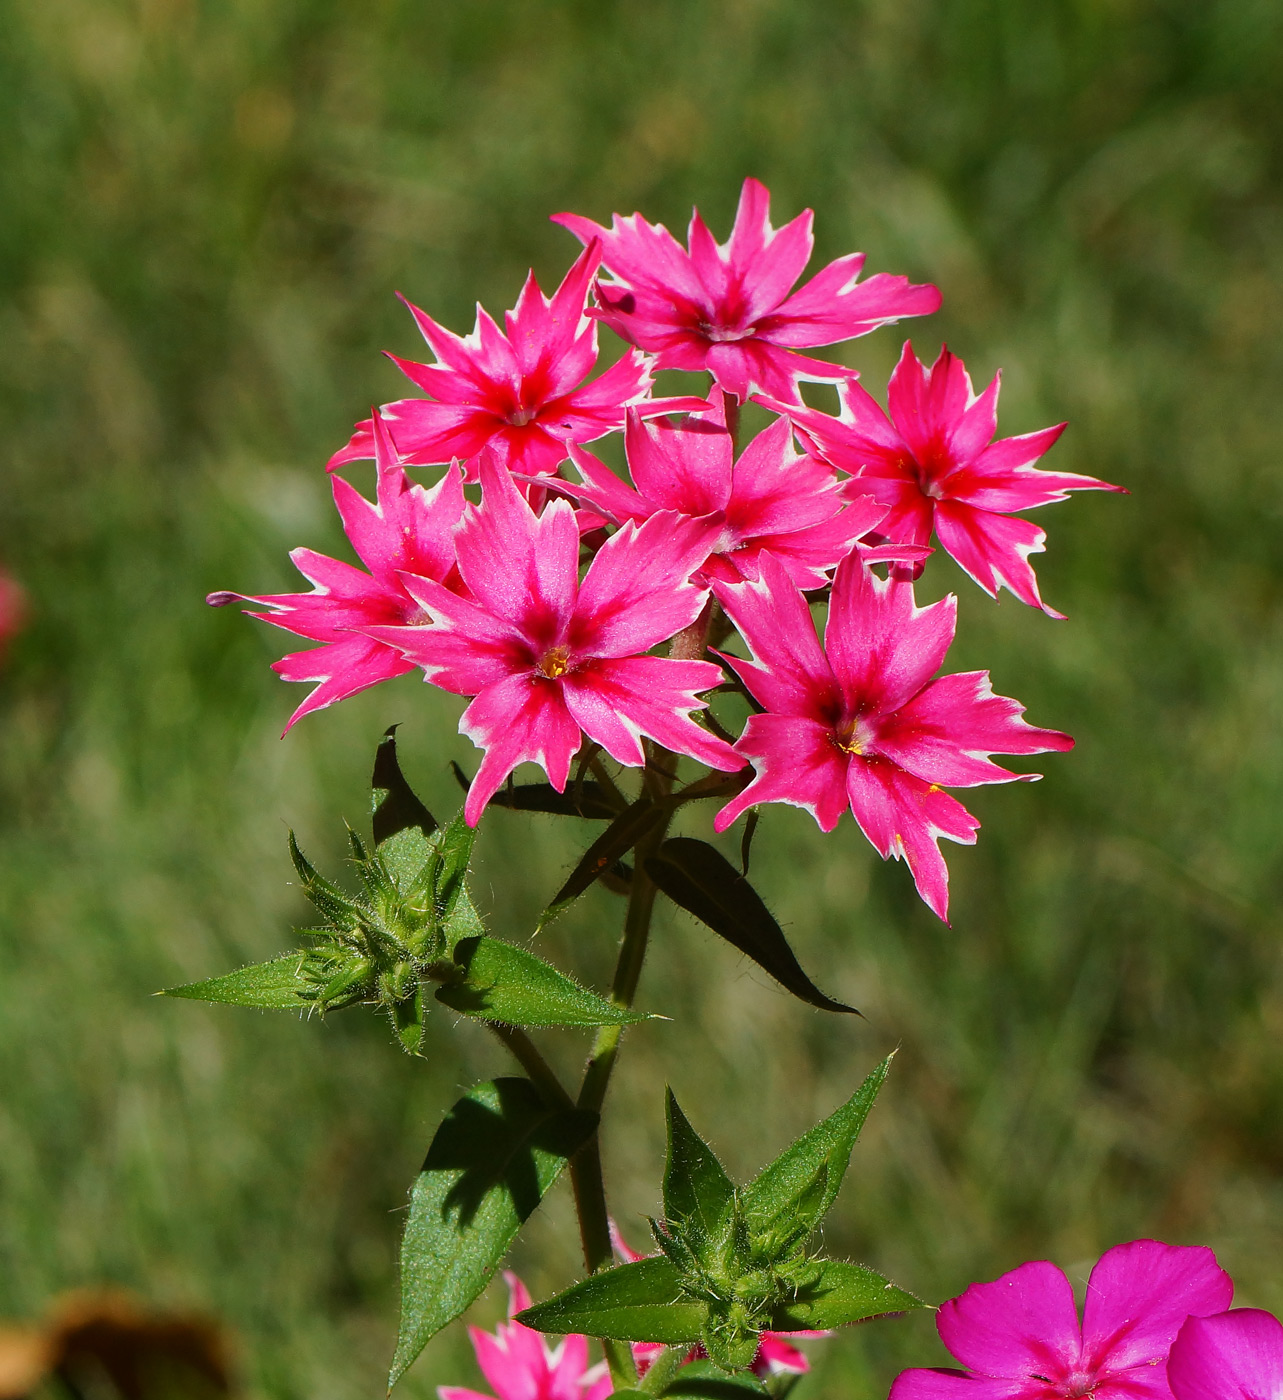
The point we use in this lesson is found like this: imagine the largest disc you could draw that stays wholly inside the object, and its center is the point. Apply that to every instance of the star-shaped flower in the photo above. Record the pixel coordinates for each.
(522, 391)
(934, 465)
(406, 529)
(550, 659)
(771, 499)
(730, 308)
(858, 723)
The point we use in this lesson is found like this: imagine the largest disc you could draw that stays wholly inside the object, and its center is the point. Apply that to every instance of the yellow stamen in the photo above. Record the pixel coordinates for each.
(554, 664)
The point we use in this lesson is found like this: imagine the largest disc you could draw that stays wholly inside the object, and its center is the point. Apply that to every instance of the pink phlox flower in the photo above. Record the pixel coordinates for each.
(1020, 1339)
(1234, 1355)
(407, 528)
(776, 1354)
(858, 722)
(520, 391)
(549, 659)
(935, 465)
(520, 1365)
(727, 308)
(771, 499)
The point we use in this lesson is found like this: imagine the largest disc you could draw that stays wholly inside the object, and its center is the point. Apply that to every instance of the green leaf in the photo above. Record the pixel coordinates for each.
(505, 983)
(587, 799)
(402, 824)
(497, 1152)
(780, 1187)
(278, 985)
(697, 1191)
(698, 877)
(840, 1293)
(628, 828)
(702, 1380)
(328, 899)
(638, 1302)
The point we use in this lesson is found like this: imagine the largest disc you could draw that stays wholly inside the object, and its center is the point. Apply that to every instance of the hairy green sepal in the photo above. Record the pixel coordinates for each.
(733, 1260)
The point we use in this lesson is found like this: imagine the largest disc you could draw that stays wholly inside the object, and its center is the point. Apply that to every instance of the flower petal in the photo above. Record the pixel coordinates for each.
(1234, 1355)
(947, 732)
(522, 567)
(796, 762)
(341, 669)
(617, 701)
(788, 672)
(637, 590)
(685, 465)
(994, 550)
(921, 1384)
(1138, 1296)
(882, 647)
(520, 719)
(1021, 1325)
(904, 817)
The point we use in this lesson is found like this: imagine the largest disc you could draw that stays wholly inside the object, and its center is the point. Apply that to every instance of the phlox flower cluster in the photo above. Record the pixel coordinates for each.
(581, 613)
(1156, 1325)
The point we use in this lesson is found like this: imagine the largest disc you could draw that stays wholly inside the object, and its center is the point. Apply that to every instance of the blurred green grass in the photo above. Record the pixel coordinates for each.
(207, 208)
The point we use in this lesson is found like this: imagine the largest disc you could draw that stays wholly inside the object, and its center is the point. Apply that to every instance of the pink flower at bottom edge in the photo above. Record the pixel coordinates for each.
(1234, 1355)
(1020, 1338)
(520, 1365)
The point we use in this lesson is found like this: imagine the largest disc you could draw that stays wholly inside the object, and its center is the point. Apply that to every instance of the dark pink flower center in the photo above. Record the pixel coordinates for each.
(721, 335)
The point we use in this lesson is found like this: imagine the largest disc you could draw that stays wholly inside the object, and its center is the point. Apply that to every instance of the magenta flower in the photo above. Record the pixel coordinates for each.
(521, 393)
(520, 1365)
(771, 499)
(550, 659)
(1232, 1356)
(776, 1354)
(934, 464)
(406, 529)
(1020, 1339)
(727, 307)
(859, 722)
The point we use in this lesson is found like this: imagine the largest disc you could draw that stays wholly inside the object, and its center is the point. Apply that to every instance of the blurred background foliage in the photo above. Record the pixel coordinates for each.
(207, 206)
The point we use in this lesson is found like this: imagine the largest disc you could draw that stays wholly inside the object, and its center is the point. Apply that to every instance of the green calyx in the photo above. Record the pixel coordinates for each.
(408, 937)
(733, 1260)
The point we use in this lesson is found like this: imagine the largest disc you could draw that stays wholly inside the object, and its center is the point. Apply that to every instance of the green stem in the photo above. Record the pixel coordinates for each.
(585, 1166)
(527, 1055)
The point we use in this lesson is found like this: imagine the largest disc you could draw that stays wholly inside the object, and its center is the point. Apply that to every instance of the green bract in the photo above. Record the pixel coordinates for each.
(733, 1260)
(410, 933)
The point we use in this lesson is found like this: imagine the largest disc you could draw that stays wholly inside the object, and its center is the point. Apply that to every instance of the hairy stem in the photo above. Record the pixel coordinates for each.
(585, 1166)
(527, 1055)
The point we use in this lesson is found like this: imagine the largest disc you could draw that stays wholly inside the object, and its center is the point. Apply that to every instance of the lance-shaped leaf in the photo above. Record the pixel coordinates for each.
(502, 982)
(580, 799)
(402, 824)
(782, 1187)
(459, 918)
(628, 828)
(838, 1294)
(698, 877)
(697, 1192)
(327, 898)
(498, 1151)
(278, 985)
(638, 1302)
